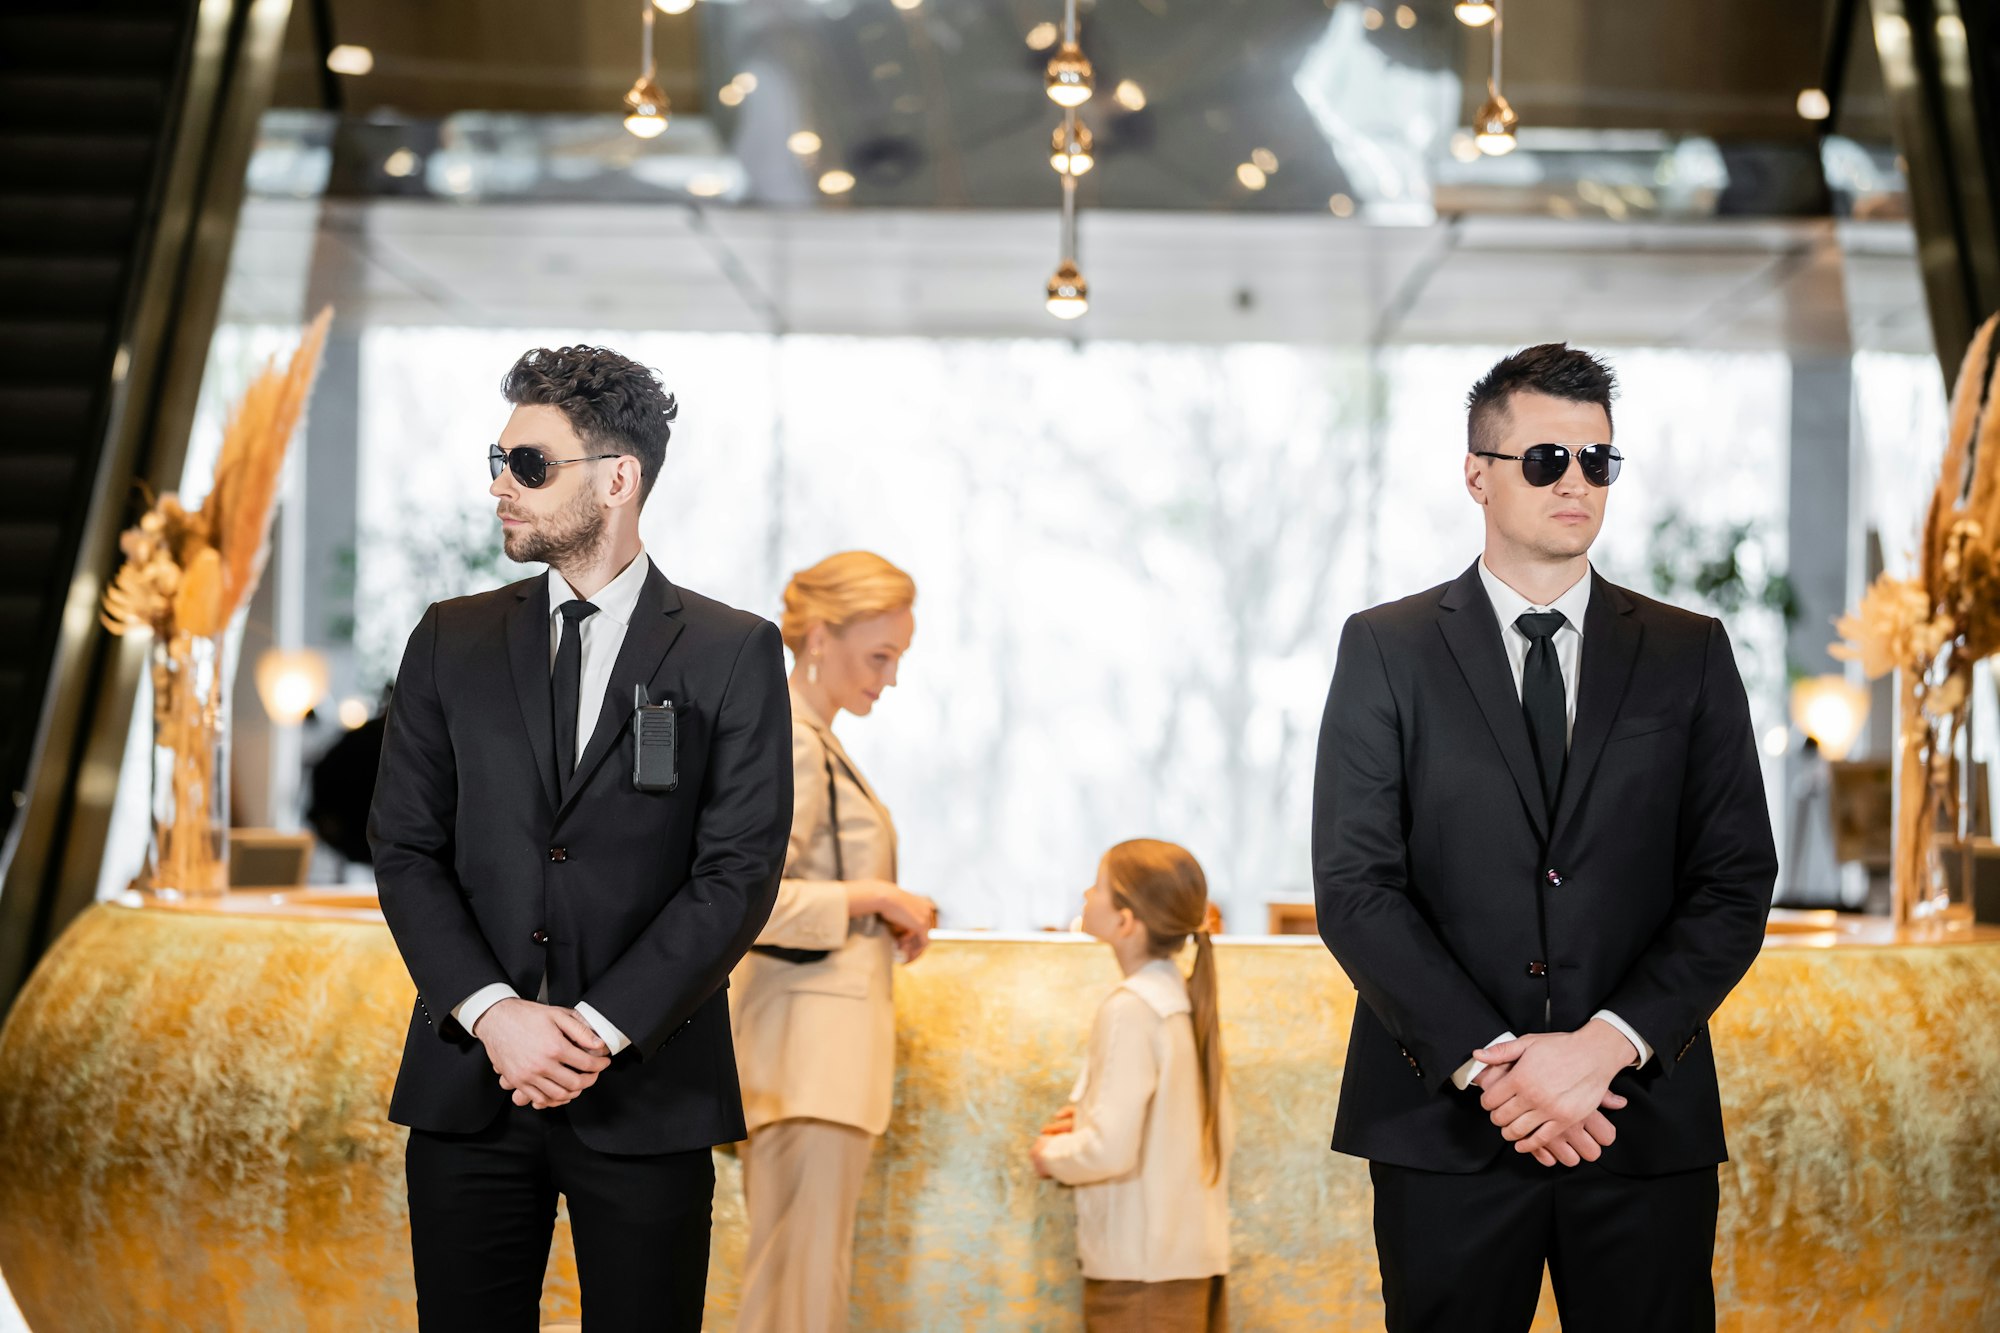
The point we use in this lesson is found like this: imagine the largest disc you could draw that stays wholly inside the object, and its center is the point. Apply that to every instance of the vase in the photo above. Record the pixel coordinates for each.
(188, 853)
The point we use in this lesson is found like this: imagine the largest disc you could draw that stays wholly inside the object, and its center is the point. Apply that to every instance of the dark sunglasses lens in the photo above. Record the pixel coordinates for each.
(495, 461)
(528, 466)
(1544, 464)
(1600, 464)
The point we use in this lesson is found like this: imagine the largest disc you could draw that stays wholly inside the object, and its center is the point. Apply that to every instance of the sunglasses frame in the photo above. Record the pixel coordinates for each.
(498, 458)
(1613, 462)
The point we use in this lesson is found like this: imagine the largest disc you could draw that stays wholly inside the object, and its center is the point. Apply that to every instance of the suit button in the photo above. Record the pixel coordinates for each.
(540, 937)
(1555, 878)
(558, 853)
(1538, 969)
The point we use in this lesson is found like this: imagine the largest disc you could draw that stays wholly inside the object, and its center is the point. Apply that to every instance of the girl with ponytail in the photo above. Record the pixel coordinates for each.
(1145, 1139)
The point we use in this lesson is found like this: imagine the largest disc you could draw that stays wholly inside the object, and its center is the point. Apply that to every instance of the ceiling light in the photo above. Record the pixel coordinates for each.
(645, 109)
(1814, 104)
(1405, 17)
(730, 95)
(645, 104)
(746, 81)
(1042, 36)
(1340, 206)
(804, 143)
(673, 6)
(1493, 128)
(1070, 149)
(290, 683)
(1266, 160)
(1463, 148)
(707, 186)
(1129, 95)
(353, 713)
(1371, 18)
(1251, 175)
(1069, 294)
(346, 59)
(402, 162)
(906, 4)
(1068, 79)
(836, 182)
(1474, 13)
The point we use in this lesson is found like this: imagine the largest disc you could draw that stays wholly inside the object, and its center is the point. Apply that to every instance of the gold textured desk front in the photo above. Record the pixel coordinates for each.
(192, 1135)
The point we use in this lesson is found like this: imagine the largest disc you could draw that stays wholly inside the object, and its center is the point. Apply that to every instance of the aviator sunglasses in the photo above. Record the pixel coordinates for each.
(531, 467)
(1544, 464)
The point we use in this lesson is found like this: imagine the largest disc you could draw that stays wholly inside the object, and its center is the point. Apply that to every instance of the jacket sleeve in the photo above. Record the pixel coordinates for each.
(411, 833)
(811, 912)
(685, 953)
(1727, 866)
(1404, 972)
(1111, 1119)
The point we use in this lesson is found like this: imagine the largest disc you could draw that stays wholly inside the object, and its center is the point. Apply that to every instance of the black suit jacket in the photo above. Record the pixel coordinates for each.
(1460, 910)
(637, 902)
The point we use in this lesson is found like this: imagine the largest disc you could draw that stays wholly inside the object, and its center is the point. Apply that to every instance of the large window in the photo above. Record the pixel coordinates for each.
(1133, 559)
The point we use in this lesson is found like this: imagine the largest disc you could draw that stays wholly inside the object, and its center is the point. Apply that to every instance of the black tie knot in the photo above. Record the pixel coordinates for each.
(579, 611)
(1538, 625)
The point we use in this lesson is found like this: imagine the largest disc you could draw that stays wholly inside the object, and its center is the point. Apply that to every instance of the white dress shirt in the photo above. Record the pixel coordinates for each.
(603, 635)
(1508, 606)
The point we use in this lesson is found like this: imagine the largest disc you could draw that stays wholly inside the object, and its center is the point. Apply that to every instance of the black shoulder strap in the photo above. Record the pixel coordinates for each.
(833, 809)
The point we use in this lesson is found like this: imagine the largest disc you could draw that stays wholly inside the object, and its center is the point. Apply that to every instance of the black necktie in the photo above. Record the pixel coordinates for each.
(1542, 698)
(567, 683)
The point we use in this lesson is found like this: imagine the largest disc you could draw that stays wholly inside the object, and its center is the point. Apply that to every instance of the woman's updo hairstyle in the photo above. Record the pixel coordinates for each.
(840, 590)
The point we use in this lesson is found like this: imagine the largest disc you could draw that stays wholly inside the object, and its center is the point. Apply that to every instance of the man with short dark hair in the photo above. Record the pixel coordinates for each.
(578, 828)
(1542, 854)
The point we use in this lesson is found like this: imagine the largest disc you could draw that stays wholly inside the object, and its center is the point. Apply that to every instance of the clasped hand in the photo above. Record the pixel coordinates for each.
(1548, 1091)
(544, 1054)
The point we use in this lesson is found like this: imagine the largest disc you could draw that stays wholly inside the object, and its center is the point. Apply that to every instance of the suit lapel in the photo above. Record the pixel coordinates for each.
(652, 632)
(1473, 635)
(804, 713)
(1610, 648)
(528, 659)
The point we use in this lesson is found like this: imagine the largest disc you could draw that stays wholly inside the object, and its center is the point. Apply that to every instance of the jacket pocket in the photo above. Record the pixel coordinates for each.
(1628, 727)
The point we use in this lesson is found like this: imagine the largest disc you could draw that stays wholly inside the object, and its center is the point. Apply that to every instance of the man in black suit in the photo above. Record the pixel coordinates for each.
(1538, 811)
(569, 907)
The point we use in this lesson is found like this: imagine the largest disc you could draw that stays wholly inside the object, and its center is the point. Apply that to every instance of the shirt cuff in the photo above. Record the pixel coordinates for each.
(1462, 1076)
(604, 1028)
(469, 1010)
(1638, 1042)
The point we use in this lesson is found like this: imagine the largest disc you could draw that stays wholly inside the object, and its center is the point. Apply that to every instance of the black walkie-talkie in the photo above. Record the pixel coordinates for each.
(655, 743)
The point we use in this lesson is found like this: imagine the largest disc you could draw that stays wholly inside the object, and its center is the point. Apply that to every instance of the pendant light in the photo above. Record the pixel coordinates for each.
(1493, 128)
(645, 104)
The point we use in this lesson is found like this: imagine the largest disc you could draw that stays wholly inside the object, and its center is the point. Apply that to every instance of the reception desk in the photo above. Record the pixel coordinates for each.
(192, 1133)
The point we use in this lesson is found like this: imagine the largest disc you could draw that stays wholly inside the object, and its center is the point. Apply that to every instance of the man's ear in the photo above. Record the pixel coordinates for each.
(627, 479)
(1475, 477)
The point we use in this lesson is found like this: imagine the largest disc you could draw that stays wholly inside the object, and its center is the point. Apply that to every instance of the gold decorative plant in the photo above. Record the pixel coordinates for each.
(185, 576)
(1932, 628)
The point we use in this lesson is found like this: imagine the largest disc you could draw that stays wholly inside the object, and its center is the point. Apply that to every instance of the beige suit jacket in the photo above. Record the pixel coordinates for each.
(817, 1040)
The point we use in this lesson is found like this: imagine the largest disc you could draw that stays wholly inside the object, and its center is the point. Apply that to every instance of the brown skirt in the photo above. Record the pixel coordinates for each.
(1190, 1305)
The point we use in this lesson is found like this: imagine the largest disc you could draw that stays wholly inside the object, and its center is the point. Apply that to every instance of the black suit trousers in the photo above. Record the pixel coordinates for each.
(1625, 1254)
(483, 1211)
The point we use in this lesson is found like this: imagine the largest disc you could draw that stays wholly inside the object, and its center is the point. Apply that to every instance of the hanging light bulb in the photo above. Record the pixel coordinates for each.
(1069, 294)
(1070, 149)
(1474, 13)
(1493, 128)
(1069, 78)
(645, 104)
(646, 109)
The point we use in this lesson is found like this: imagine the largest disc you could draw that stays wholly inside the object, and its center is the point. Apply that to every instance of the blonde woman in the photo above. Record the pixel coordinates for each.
(1146, 1138)
(814, 1025)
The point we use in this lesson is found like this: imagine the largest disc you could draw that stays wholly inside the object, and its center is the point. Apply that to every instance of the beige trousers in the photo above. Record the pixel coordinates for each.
(801, 1183)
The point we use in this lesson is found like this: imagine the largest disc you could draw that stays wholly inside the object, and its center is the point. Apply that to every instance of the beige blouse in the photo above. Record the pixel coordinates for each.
(817, 1041)
(1145, 1209)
